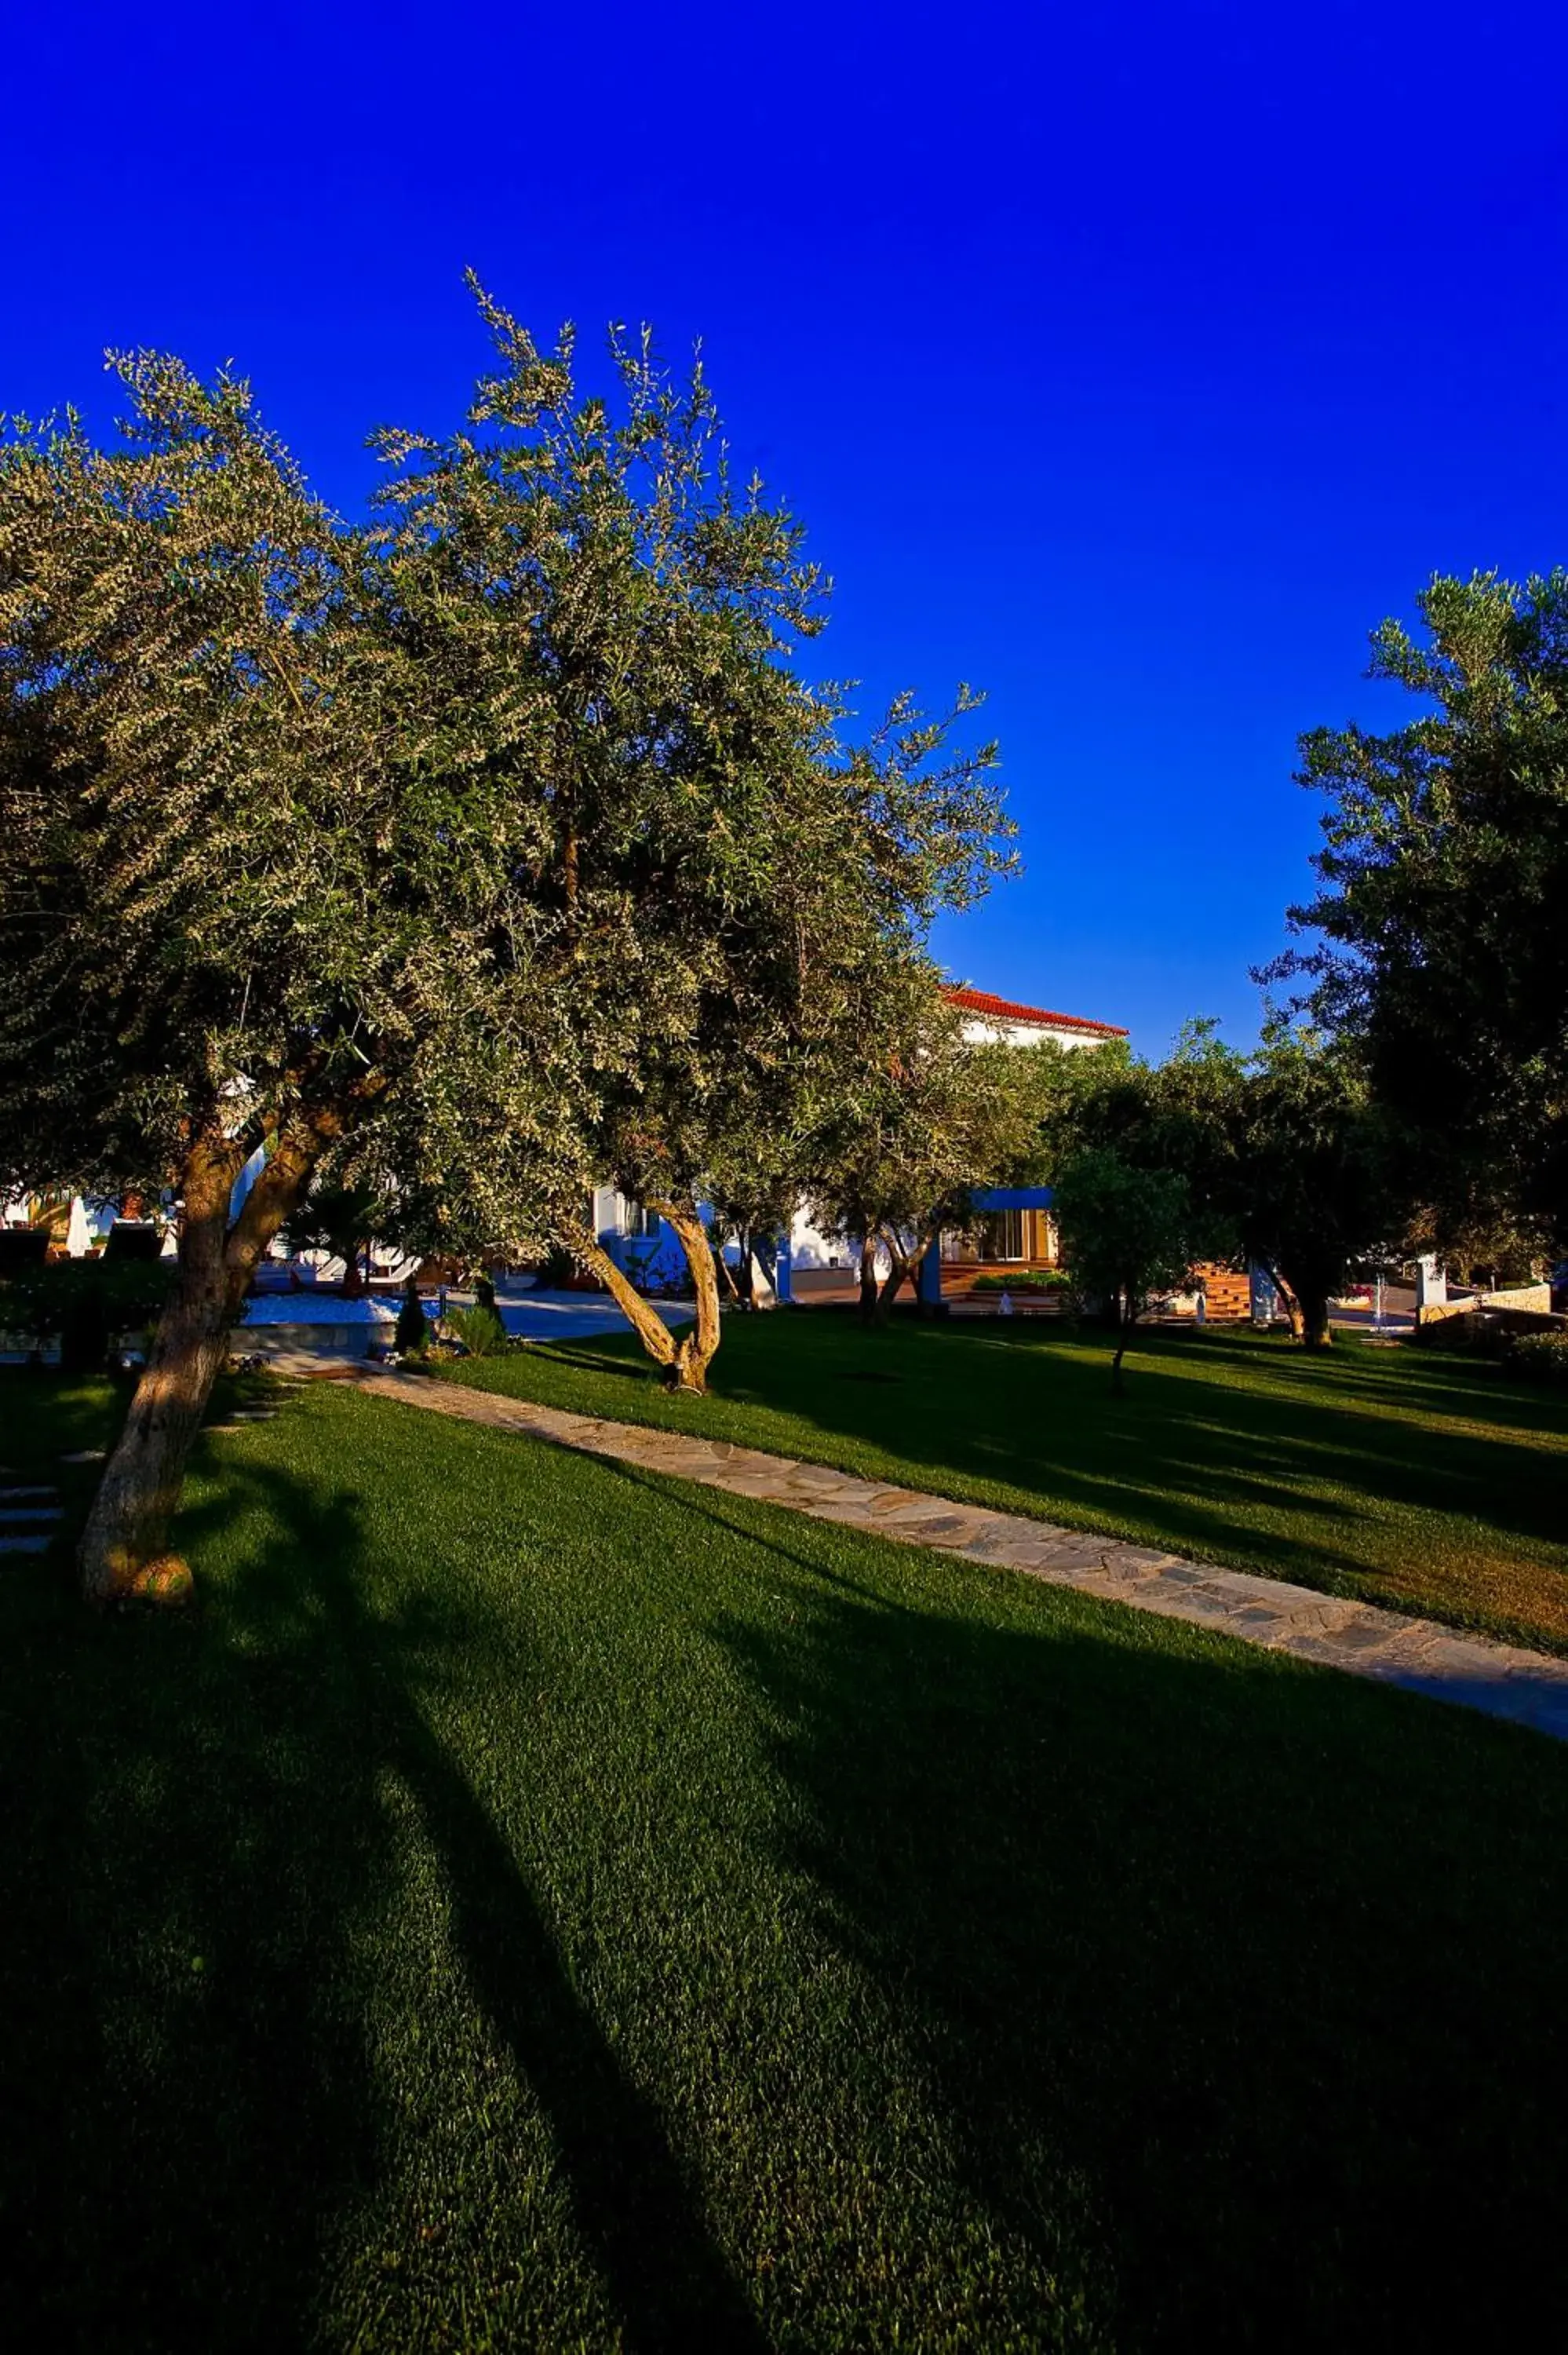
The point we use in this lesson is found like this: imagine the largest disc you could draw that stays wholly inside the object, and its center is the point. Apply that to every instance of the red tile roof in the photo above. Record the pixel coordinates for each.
(1002, 1009)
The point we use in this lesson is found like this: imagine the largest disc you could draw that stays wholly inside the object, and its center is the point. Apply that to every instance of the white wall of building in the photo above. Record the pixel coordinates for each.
(810, 1248)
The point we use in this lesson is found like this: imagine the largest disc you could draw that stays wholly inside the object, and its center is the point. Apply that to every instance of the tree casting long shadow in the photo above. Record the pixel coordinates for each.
(192, 2117)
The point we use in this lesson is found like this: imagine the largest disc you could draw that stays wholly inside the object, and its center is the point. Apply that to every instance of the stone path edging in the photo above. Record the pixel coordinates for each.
(1528, 1689)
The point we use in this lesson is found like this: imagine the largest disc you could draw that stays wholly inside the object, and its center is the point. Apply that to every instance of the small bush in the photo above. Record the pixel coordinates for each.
(1028, 1279)
(479, 1329)
(412, 1333)
(87, 1303)
(1539, 1358)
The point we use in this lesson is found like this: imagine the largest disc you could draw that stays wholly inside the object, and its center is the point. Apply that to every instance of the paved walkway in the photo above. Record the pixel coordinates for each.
(1527, 1687)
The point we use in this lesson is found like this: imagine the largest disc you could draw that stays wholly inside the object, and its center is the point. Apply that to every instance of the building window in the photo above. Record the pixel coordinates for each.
(1003, 1235)
(636, 1220)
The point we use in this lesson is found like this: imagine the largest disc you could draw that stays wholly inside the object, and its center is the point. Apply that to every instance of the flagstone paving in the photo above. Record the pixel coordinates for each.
(26, 1519)
(1503, 1680)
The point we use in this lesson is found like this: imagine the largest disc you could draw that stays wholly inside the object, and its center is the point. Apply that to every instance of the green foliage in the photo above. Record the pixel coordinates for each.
(412, 1333)
(490, 848)
(1318, 1180)
(1444, 877)
(1125, 1231)
(87, 1304)
(465, 857)
(1284, 1157)
(1027, 1279)
(479, 1329)
(935, 1116)
(1539, 1357)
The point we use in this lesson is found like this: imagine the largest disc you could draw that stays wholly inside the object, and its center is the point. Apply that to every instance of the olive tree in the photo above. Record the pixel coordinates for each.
(936, 1115)
(731, 885)
(445, 847)
(1442, 954)
(1126, 1231)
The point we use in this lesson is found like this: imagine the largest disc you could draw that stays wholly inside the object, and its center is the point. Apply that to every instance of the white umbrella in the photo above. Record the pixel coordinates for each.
(78, 1234)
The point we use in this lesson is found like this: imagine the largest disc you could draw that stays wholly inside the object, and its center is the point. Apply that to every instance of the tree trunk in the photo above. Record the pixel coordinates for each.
(897, 1275)
(745, 1284)
(1306, 1302)
(1316, 1332)
(684, 1362)
(906, 1269)
(1127, 1318)
(124, 1547)
(1287, 1299)
(868, 1288)
(644, 1319)
(696, 1350)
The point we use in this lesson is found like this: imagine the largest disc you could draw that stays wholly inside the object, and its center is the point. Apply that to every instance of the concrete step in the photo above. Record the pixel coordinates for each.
(27, 1496)
(15, 1517)
(10, 1544)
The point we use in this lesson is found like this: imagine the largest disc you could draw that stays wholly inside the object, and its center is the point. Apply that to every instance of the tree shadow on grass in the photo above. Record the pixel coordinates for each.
(1255, 1423)
(1262, 1958)
(598, 1362)
(199, 1848)
(1196, 1462)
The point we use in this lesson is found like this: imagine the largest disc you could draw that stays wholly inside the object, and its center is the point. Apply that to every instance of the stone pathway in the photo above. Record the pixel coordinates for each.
(1529, 1688)
(27, 1515)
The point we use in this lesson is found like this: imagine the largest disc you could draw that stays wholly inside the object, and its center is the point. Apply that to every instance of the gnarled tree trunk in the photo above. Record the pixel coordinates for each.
(1306, 1293)
(868, 1287)
(685, 1362)
(905, 1269)
(1287, 1299)
(641, 1314)
(695, 1349)
(1316, 1331)
(124, 1546)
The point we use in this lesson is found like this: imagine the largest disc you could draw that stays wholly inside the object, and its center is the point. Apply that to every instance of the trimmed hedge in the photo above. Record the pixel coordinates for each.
(87, 1303)
(1539, 1357)
(1028, 1279)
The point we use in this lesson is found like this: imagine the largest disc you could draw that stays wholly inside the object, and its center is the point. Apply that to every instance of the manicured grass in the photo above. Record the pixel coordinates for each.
(1422, 1482)
(531, 1904)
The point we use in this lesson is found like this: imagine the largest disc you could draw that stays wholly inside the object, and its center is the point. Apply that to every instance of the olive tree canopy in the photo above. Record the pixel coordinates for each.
(458, 846)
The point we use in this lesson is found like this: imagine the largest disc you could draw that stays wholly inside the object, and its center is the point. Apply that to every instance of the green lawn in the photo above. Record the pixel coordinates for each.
(1395, 1475)
(529, 1904)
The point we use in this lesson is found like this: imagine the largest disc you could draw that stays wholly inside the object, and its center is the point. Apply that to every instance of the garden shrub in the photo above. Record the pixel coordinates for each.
(479, 1329)
(87, 1303)
(1028, 1279)
(412, 1333)
(1539, 1357)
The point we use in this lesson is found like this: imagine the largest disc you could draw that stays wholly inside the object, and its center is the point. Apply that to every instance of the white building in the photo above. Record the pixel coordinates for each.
(1025, 1237)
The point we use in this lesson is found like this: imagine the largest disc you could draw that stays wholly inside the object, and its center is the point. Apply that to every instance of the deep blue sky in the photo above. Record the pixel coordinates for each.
(1129, 362)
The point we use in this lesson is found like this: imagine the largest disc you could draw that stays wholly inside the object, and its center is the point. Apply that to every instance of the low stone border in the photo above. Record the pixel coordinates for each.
(1528, 1689)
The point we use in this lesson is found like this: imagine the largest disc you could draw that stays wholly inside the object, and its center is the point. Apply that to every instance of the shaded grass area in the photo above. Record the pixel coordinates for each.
(529, 1903)
(1424, 1483)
